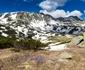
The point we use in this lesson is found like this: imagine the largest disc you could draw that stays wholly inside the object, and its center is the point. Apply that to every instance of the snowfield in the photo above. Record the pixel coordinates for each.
(58, 47)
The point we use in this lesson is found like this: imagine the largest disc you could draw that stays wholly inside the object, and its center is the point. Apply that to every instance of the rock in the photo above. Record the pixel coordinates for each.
(82, 44)
(76, 40)
(65, 55)
(84, 36)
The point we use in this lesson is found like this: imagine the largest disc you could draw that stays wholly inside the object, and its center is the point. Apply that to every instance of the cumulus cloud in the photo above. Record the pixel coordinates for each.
(60, 2)
(50, 5)
(62, 13)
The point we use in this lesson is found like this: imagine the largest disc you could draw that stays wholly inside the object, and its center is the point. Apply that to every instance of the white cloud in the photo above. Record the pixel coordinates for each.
(75, 13)
(50, 5)
(62, 13)
(60, 2)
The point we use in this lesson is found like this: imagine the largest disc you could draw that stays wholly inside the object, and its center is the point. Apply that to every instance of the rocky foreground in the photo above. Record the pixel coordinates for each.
(72, 58)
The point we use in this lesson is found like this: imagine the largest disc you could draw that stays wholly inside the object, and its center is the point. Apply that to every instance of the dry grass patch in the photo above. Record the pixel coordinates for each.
(62, 39)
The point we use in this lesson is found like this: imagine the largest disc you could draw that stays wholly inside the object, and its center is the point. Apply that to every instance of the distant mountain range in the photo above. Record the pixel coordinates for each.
(26, 24)
(65, 19)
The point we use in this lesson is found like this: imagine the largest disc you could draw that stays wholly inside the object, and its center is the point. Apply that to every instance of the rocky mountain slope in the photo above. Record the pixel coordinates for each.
(25, 24)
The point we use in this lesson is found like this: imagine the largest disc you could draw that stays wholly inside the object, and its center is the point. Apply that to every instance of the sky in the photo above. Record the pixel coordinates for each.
(55, 8)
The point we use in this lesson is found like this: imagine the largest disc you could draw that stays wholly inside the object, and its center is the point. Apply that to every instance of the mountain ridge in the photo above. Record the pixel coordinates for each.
(26, 24)
(64, 18)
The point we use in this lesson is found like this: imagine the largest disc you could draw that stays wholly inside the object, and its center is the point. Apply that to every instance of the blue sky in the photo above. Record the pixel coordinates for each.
(56, 8)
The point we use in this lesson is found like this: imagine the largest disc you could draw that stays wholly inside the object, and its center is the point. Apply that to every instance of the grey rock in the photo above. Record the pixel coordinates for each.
(76, 40)
(82, 44)
(65, 55)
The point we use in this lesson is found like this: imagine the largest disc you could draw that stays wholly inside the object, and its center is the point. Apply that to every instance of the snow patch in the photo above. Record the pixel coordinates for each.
(57, 47)
(5, 35)
(13, 16)
(3, 15)
(25, 31)
(40, 24)
(19, 28)
(3, 27)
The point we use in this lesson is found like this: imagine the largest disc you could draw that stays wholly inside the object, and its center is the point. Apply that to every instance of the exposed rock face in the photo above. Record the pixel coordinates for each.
(76, 30)
(25, 24)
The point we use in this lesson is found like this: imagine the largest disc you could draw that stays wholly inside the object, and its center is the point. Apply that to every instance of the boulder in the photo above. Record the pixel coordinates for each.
(82, 44)
(76, 40)
(65, 55)
(84, 36)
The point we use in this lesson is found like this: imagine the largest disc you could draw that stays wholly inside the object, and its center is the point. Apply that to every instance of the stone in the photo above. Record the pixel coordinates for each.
(82, 44)
(65, 55)
(76, 40)
(84, 36)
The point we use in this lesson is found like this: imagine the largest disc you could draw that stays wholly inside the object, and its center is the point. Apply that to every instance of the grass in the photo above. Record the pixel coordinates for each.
(43, 60)
(62, 39)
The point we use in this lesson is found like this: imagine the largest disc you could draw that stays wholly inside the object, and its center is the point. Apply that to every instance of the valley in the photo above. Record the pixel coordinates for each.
(35, 41)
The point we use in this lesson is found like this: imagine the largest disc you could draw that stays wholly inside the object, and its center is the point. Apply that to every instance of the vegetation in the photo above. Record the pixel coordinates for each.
(61, 39)
(29, 44)
(24, 44)
(6, 43)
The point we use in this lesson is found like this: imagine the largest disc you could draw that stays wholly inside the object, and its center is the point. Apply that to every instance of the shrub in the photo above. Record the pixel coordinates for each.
(23, 44)
(29, 44)
(6, 43)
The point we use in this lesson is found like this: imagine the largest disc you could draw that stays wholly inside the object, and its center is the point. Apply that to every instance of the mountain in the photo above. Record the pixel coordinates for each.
(65, 19)
(69, 19)
(26, 24)
(22, 24)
